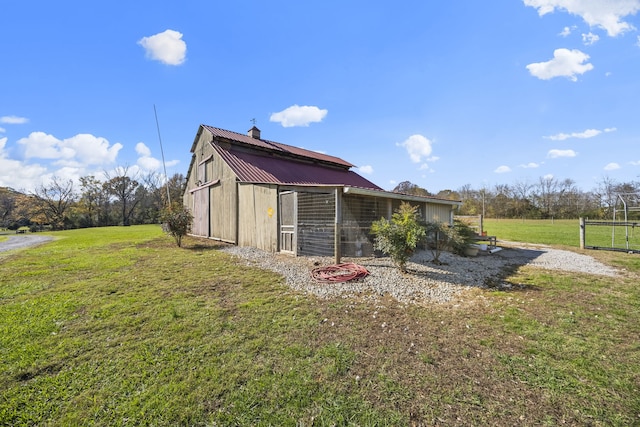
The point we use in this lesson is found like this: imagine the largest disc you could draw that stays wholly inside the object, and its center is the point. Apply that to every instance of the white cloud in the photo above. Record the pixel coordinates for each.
(13, 120)
(638, 43)
(166, 47)
(530, 165)
(84, 149)
(635, 163)
(148, 163)
(3, 130)
(612, 166)
(566, 31)
(417, 146)
(555, 153)
(590, 38)
(605, 14)
(142, 149)
(297, 115)
(16, 174)
(565, 63)
(589, 133)
(502, 169)
(548, 176)
(367, 169)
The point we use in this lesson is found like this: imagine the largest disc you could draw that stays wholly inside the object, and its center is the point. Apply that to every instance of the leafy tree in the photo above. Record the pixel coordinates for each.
(406, 187)
(399, 236)
(177, 222)
(124, 189)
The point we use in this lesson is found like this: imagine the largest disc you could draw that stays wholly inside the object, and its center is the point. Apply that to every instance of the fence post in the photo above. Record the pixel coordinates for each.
(582, 233)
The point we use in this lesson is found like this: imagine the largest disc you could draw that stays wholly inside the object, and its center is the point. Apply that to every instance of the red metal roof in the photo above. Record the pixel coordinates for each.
(261, 167)
(275, 146)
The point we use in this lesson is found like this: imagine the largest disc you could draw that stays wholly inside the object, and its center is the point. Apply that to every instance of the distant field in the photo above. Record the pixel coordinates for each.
(561, 232)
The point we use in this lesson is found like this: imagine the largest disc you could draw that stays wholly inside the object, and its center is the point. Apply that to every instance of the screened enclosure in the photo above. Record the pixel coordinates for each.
(310, 221)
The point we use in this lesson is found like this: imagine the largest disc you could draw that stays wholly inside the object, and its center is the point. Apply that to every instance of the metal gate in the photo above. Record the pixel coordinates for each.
(621, 236)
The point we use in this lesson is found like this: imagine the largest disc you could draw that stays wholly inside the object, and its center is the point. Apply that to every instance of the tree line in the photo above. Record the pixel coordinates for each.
(120, 198)
(545, 199)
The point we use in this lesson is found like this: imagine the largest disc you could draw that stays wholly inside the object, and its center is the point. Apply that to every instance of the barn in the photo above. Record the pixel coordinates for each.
(250, 191)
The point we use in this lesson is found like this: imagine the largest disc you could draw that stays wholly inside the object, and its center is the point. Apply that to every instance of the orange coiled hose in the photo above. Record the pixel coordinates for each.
(339, 273)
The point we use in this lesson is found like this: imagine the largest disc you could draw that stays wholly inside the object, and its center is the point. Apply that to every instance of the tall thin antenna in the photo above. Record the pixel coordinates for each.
(164, 166)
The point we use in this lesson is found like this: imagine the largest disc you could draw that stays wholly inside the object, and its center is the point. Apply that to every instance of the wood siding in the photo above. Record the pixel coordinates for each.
(258, 216)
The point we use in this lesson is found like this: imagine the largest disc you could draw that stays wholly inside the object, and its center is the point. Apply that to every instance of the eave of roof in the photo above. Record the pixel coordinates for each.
(400, 196)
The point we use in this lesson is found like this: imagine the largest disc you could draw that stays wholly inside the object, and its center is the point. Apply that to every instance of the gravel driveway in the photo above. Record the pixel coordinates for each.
(20, 241)
(426, 282)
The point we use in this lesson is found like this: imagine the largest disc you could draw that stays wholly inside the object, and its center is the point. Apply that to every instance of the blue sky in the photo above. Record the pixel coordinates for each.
(442, 94)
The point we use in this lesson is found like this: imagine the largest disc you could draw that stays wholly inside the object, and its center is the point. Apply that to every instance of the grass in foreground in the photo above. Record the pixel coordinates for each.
(117, 326)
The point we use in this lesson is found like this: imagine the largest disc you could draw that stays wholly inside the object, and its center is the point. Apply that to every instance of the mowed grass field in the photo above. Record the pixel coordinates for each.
(117, 326)
(564, 232)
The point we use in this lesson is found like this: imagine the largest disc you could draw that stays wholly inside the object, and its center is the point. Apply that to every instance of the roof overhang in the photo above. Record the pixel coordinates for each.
(399, 196)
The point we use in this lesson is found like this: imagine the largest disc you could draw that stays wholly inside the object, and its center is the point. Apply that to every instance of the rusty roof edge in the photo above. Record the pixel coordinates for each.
(399, 196)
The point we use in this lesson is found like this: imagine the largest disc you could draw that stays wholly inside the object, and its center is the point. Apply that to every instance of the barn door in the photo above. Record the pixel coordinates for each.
(288, 222)
(201, 212)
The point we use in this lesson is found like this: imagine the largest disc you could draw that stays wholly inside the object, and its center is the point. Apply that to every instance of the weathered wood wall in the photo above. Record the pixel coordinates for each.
(258, 216)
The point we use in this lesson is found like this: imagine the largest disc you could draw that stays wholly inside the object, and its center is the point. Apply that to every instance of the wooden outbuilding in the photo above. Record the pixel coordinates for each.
(249, 191)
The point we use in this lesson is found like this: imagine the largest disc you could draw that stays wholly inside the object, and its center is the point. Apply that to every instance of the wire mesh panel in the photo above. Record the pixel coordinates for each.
(612, 235)
(316, 223)
(358, 213)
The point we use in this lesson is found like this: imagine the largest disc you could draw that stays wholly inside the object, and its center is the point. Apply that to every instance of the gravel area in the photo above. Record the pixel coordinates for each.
(426, 281)
(20, 241)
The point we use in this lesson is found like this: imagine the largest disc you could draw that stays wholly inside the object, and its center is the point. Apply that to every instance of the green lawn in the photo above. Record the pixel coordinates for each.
(118, 326)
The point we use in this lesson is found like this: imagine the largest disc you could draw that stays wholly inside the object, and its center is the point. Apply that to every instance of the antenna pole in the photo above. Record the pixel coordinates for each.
(164, 167)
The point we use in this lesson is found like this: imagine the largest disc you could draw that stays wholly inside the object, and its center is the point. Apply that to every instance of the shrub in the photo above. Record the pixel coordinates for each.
(461, 237)
(399, 236)
(176, 221)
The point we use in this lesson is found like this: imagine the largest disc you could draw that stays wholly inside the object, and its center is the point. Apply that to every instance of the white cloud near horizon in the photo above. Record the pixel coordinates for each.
(366, 169)
(502, 169)
(612, 166)
(418, 147)
(84, 149)
(13, 120)
(297, 115)
(605, 14)
(565, 63)
(166, 47)
(555, 153)
(16, 174)
(589, 133)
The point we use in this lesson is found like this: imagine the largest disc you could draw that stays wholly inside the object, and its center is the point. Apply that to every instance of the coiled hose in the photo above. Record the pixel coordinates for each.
(339, 273)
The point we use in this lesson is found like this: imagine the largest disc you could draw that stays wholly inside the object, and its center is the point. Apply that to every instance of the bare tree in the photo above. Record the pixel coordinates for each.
(54, 199)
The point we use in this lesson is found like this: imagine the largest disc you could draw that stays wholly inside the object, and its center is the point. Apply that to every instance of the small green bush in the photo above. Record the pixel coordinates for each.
(399, 236)
(176, 221)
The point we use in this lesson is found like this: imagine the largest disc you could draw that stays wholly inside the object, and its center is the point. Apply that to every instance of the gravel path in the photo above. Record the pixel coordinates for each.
(20, 241)
(426, 281)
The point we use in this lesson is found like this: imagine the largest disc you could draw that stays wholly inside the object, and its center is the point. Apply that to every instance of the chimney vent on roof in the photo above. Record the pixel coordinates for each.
(254, 132)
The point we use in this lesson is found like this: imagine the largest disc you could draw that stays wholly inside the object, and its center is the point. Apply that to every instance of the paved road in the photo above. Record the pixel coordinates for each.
(22, 241)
